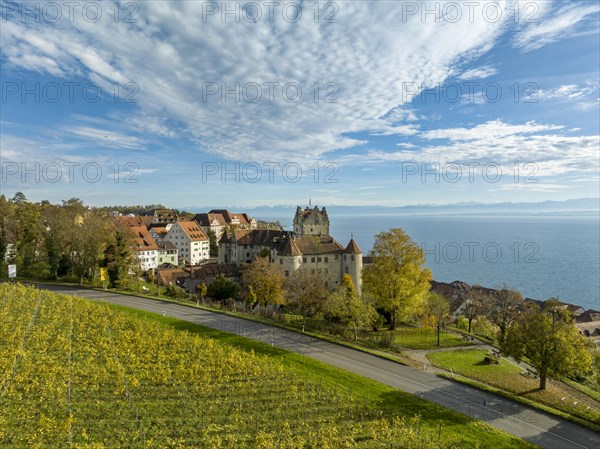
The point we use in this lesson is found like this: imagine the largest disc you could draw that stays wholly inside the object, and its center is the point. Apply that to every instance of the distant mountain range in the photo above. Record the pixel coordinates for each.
(581, 206)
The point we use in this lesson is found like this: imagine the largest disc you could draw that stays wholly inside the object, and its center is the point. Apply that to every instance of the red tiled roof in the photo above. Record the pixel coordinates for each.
(142, 238)
(193, 231)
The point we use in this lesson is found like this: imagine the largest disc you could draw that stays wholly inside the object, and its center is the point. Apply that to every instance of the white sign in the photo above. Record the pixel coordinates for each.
(12, 271)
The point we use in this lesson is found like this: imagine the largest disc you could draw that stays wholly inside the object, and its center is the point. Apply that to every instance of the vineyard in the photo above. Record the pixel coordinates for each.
(78, 374)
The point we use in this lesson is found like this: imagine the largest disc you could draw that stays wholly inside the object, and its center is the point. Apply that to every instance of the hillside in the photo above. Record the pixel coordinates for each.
(83, 374)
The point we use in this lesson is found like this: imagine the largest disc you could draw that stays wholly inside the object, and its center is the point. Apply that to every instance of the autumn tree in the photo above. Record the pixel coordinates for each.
(397, 279)
(347, 307)
(306, 294)
(508, 305)
(266, 280)
(550, 341)
(202, 290)
(437, 311)
(90, 234)
(477, 304)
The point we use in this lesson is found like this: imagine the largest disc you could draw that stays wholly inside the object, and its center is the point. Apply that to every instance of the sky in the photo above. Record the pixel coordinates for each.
(233, 104)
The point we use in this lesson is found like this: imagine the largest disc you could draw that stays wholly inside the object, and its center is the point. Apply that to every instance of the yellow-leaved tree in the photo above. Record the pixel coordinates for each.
(397, 280)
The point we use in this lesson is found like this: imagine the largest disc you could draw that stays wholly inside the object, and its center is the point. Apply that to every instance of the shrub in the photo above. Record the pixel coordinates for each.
(176, 292)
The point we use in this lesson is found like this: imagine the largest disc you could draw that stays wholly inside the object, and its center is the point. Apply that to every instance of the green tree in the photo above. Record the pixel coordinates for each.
(118, 257)
(222, 288)
(214, 245)
(347, 307)
(306, 294)
(266, 279)
(477, 304)
(437, 312)
(397, 280)
(508, 305)
(30, 250)
(550, 341)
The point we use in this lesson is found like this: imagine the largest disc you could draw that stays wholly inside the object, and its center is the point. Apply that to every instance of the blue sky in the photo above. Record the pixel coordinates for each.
(194, 103)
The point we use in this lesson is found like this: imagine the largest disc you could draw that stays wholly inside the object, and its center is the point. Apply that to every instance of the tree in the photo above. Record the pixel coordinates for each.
(306, 294)
(396, 279)
(90, 234)
(550, 340)
(118, 257)
(202, 290)
(266, 279)
(477, 304)
(437, 311)
(222, 288)
(350, 309)
(30, 250)
(214, 246)
(507, 307)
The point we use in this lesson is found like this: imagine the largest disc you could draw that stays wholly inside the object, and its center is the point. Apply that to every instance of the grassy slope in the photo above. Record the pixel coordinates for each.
(507, 377)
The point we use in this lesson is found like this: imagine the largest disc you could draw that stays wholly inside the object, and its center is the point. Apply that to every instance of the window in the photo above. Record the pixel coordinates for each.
(352, 256)
(318, 259)
(281, 261)
(344, 257)
(326, 259)
(346, 270)
(304, 260)
(287, 273)
(312, 259)
(336, 257)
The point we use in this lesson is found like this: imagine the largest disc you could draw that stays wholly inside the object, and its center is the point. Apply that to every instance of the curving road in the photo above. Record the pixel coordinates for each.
(532, 425)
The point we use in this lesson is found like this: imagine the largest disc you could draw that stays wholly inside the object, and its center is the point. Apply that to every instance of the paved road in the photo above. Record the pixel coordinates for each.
(534, 426)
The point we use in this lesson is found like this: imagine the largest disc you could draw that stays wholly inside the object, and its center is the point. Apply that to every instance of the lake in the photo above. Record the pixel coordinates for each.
(541, 256)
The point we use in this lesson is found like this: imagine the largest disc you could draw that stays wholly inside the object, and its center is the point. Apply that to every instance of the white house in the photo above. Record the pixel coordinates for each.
(146, 248)
(191, 242)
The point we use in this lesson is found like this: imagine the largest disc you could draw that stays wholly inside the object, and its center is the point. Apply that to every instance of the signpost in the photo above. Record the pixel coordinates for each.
(12, 271)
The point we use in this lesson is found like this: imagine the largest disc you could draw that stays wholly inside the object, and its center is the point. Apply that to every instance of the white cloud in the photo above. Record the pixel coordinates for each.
(566, 92)
(562, 23)
(478, 73)
(175, 53)
(503, 145)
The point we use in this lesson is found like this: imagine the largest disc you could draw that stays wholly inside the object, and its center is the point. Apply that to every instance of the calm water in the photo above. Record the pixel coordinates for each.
(541, 256)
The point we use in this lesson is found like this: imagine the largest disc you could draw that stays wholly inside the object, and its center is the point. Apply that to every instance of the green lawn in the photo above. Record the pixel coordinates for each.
(422, 338)
(508, 377)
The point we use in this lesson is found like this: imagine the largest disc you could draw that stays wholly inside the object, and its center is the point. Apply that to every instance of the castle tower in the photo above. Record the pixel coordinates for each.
(311, 222)
(352, 263)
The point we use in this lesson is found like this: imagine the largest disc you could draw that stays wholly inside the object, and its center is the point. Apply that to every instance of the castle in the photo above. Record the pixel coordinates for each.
(308, 247)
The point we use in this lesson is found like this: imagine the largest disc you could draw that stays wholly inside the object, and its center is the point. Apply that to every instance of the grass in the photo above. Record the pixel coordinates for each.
(423, 338)
(137, 378)
(568, 401)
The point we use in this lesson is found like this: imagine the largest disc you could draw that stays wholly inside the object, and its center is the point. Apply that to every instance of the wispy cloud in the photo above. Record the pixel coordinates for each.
(478, 73)
(558, 24)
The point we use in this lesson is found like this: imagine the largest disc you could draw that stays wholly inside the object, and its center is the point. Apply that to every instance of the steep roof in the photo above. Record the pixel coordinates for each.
(352, 248)
(207, 219)
(290, 248)
(193, 231)
(134, 221)
(142, 238)
(261, 237)
(315, 245)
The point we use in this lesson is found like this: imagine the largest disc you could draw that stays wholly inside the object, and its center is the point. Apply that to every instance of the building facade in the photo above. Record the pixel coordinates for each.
(190, 241)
